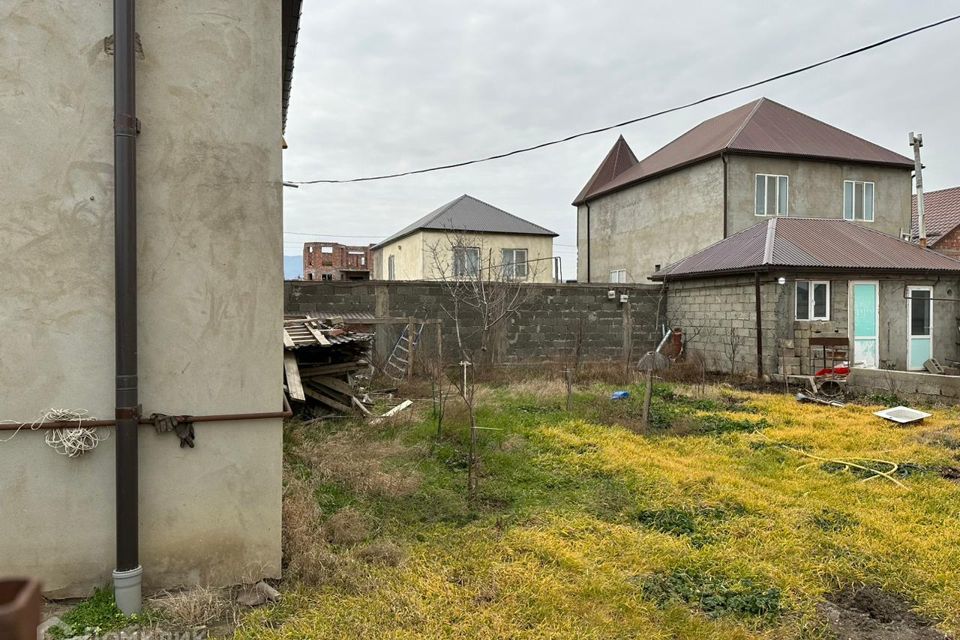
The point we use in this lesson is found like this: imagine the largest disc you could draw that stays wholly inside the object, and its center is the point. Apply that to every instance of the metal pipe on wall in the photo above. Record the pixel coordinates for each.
(128, 573)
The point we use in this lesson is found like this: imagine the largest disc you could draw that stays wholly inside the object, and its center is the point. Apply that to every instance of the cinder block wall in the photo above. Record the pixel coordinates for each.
(718, 317)
(545, 329)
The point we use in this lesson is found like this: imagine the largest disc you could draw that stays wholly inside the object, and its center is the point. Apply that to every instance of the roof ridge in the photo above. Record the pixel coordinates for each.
(514, 216)
(770, 240)
(744, 123)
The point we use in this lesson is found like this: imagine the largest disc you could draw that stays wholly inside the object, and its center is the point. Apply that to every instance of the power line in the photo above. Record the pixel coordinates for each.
(648, 116)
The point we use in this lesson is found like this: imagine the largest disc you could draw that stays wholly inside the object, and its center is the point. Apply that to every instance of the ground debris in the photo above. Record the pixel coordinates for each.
(867, 613)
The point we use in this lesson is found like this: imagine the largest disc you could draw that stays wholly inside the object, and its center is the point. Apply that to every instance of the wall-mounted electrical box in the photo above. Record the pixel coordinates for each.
(611, 295)
(624, 298)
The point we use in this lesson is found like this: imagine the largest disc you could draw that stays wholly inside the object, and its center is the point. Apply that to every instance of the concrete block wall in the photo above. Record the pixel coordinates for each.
(545, 329)
(718, 318)
(908, 386)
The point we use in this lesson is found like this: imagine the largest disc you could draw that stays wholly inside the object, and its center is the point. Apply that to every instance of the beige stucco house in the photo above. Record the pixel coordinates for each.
(212, 81)
(728, 173)
(467, 238)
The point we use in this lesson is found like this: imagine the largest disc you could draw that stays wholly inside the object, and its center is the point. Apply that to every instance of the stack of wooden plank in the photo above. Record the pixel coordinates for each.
(320, 362)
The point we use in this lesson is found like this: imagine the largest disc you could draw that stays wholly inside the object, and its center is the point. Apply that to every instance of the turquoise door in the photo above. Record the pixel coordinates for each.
(919, 326)
(865, 324)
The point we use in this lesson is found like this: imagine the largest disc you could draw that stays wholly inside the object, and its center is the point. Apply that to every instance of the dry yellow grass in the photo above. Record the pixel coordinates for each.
(559, 570)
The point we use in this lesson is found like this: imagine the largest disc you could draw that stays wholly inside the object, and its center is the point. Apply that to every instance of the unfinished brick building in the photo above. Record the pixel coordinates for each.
(335, 261)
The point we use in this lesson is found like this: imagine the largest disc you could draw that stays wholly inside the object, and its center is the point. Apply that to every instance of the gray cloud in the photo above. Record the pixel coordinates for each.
(385, 86)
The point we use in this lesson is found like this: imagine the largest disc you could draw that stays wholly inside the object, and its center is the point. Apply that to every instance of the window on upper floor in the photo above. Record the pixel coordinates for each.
(858, 200)
(618, 275)
(772, 196)
(813, 300)
(391, 268)
(514, 263)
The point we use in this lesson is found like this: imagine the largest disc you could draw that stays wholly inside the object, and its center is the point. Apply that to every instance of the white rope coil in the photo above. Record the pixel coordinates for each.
(72, 441)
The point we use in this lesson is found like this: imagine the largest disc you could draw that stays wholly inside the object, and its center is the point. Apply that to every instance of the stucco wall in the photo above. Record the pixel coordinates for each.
(210, 296)
(816, 191)
(655, 222)
(417, 255)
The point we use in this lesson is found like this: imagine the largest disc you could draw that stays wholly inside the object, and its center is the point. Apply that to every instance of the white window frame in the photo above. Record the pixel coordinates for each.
(513, 265)
(326, 249)
(467, 272)
(862, 184)
(391, 267)
(811, 284)
(910, 291)
(756, 190)
(618, 276)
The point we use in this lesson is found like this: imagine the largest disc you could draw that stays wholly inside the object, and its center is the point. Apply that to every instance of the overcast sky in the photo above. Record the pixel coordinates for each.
(388, 86)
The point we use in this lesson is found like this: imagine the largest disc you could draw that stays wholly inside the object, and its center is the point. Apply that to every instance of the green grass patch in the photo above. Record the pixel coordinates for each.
(715, 595)
(95, 616)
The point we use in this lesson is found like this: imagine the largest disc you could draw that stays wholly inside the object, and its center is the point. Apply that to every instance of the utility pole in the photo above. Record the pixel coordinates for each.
(916, 141)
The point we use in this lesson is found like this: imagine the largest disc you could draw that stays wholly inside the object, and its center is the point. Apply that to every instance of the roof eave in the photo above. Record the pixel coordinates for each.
(735, 152)
(718, 273)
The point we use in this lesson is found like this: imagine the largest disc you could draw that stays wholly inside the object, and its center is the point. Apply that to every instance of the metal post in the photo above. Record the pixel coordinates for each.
(756, 295)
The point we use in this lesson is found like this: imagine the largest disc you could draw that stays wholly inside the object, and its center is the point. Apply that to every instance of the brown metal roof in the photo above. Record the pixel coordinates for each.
(619, 159)
(809, 243)
(761, 127)
(941, 213)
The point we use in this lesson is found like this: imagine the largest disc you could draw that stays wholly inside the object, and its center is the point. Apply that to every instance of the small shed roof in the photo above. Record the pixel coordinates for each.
(811, 244)
(469, 214)
(941, 214)
(761, 127)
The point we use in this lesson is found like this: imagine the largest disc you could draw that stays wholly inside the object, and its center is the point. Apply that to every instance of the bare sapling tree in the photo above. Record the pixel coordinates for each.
(649, 362)
(732, 342)
(440, 384)
(482, 290)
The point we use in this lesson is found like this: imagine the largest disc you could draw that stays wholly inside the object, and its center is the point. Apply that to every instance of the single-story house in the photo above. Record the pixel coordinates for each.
(941, 220)
(795, 281)
(463, 239)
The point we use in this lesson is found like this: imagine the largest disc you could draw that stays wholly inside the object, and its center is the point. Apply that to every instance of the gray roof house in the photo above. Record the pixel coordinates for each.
(758, 161)
(805, 284)
(466, 237)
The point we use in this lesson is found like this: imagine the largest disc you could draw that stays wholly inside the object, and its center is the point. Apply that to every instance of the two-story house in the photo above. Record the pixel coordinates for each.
(758, 161)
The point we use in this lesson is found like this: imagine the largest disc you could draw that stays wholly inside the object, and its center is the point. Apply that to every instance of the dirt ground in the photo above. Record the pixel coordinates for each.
(870, 614)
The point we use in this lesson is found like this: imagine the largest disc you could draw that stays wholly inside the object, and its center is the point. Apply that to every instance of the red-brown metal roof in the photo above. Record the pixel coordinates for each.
(941, 214)
(809, 243)
(762, 127)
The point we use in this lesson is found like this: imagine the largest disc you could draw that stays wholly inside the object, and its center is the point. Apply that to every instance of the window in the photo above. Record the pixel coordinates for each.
(326, 276)
(618, 275)
(466, 262)
(771, 196)
(921, 311)
(858, 200)
(813, 300)
(514, 263)
(326, 249)
(391, 268)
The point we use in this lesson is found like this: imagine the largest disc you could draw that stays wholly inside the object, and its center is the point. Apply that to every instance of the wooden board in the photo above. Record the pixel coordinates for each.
(327, 400)
(326, 369)
(288, 342)
(292, 371)
(334, 383)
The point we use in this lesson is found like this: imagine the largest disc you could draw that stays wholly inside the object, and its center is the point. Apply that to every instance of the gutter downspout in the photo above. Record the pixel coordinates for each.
(128, 573)
(587, 204)
(723, 158)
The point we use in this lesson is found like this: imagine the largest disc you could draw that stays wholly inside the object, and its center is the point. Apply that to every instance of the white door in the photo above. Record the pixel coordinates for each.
(865, 321)
(919, 326)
